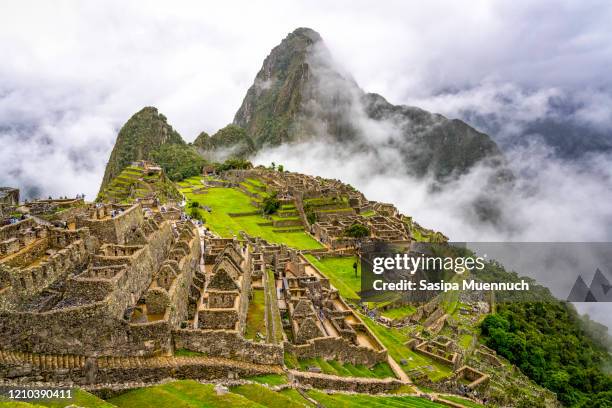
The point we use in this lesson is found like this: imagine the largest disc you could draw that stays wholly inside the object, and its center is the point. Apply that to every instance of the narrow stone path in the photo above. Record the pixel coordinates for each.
(398, 370)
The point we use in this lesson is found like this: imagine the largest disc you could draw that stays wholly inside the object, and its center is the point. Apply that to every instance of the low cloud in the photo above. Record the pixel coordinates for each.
(552, 200)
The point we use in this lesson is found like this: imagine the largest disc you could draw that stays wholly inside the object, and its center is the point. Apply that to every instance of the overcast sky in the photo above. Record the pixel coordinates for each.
(73, 72)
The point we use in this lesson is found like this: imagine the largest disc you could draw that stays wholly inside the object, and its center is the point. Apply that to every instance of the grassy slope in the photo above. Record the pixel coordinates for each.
(380, 370)
(361, 400)
(80, 398)
(228, 200)
(187, 393)
(394, 339)
(399, 312)
(266, 397)
(293, 395)
(341, 274)
(180, 394)
(466, 403)
(270, 379)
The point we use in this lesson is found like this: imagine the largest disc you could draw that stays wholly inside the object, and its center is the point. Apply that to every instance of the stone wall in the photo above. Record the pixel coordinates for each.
(332, 382)
(80, 370)
(118, 229)
(227, 344)
(218, 319)
(337, 348)
(32, 279)
(11, 230)
(96, 328)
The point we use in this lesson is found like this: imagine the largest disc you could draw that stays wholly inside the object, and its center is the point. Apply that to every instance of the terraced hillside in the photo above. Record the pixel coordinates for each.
(135, 182)
(193, 394)
(229, 210)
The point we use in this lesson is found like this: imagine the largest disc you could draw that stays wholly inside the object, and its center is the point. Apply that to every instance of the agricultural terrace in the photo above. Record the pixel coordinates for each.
(226, 201)
(188, 393)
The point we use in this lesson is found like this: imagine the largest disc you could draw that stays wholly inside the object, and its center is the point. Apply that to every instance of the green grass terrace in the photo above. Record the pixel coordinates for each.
(226, 201)
(340, 272)
(191, 394)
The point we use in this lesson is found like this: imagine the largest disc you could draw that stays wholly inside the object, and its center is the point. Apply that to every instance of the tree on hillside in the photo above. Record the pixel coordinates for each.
(231, 164)
(271, 204)
(178, 161)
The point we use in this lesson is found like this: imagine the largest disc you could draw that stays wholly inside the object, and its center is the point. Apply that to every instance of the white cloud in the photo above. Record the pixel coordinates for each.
(74, 72)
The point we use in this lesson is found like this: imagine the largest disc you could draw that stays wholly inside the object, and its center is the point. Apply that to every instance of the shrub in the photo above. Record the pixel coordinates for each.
(271, 204)
(357, 231)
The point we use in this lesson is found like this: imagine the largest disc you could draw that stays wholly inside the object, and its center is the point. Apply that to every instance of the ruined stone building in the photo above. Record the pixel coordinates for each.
(9, 200)
(116, 284)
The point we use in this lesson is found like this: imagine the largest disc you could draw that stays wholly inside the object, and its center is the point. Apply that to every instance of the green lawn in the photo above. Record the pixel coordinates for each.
(465, 340)
(256, 182)
(229, 200)
(380, 370)
(180, 394)
(363, 400)
(265, 397)
(187, 353)
(462, 401)
(250, 187)
(394, 339)
(341, 274)
(270, 379)
(399, 312)
(293, 395)
(273, 312)
(256, 322)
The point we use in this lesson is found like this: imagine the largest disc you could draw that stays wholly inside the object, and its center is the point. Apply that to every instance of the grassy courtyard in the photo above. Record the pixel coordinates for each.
(399, 312)
(256, 322)
(224, 201)
(341, 274)
(333, 367)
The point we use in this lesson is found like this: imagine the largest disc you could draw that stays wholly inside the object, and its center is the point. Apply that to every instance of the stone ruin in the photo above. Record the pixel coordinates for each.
(9, 196)
(225, 298)
(441, 349)
(318, 322)
(9, 201)
(334, 205)
(49, 206)
(112, 286)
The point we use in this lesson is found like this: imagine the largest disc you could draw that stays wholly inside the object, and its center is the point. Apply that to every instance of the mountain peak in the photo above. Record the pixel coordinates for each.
(301, 93)
(308, 33)
(144, 132)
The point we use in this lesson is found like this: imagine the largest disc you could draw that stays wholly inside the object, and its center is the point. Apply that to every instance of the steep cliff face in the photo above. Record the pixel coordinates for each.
(138, 139)
(301, 94)
(273, 102)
